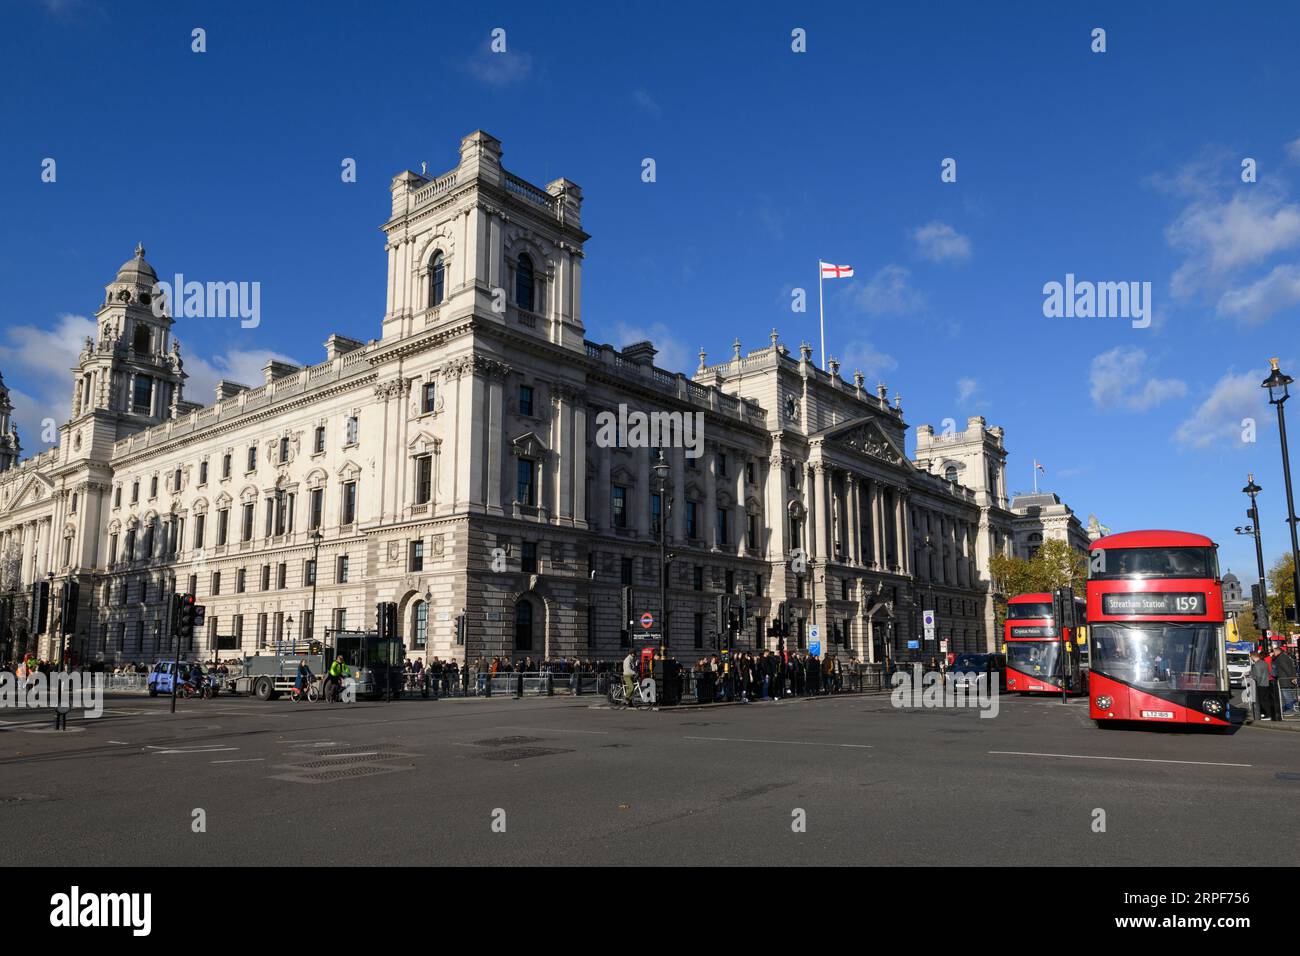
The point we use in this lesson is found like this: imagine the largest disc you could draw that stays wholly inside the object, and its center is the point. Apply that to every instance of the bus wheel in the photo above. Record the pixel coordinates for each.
(153, 691)
(263, 689)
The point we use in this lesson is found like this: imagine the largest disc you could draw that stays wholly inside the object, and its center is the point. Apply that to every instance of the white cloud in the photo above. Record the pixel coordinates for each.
(888, 292)
(1292, 150)
(498, 70)
(43, 359)
(643, 99)
(966, 389)
(940, 242)
(673, 355)
(866, 358)
(1121, 381)
(1219, 238)
(1261, 300)
(1217, 423)
(237, 365)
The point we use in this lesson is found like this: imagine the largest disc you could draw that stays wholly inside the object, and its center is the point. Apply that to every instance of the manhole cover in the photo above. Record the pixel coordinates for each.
(346, 758)
(521, 753)
(506, 741)
(345, 772)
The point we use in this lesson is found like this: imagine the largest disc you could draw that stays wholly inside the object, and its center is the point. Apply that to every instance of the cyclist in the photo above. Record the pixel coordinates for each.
(334, 680)
(629, 674)
(302, 680)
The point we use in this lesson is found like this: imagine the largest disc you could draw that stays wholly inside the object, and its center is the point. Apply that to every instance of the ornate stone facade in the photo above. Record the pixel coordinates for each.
(452, 466)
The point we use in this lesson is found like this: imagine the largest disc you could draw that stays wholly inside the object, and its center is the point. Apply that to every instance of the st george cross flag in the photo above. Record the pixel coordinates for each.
(836, 272)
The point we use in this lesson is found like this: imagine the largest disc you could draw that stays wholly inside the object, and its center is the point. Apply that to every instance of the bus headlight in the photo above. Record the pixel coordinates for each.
(1103, 702)
(1213, 707)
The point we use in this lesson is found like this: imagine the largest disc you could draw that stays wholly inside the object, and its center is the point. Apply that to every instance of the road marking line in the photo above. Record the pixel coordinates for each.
(549, 730)
(194, 750)
(1198, 763)
(368, 753)
(804, 743)
(241, 760)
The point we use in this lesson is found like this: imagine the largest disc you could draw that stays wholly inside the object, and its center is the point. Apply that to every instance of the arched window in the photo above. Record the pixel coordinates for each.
(437, 279)
(524, 625)
(142, 338)
(951, 473)
(420, 630)
(524, 283)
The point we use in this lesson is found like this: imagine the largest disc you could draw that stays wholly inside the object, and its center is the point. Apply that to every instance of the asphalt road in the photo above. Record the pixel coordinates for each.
(419, 782)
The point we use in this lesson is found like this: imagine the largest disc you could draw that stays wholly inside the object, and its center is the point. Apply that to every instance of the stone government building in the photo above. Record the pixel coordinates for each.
(468, 427)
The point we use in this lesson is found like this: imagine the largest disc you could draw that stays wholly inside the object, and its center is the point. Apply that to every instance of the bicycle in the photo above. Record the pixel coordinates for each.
(618, 695)
(312, 693)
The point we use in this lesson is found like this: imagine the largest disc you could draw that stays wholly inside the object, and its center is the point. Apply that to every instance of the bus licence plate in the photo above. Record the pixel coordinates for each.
(1166, 714)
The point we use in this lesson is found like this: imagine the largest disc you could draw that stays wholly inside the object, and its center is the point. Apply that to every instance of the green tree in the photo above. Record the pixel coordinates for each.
(1281, 593)
(1056, 565)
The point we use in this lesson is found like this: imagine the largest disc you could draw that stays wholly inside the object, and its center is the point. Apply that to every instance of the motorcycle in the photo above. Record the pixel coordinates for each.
(205, 689)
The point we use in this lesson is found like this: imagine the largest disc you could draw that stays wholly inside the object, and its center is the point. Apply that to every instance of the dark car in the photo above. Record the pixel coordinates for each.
(965, 667)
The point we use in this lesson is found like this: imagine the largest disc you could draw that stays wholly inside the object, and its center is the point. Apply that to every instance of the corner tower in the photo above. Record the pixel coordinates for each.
(481, 242)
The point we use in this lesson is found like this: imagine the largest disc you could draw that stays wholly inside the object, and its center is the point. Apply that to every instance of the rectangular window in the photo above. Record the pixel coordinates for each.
(203, 472)
(417, 556)
(223, 526)
(625, 572)
(266, 577)
(142, 395)
(246, 529)
(751, 532)
(340, 619)
(349, 502)
(722, 464)
(319, 446)
(427, 397)
(112, 548)
(722, 527)
(240, 578)
(117, 497)
(317, 502)
(216, 583)
(200, 526)
(528, 557)
(153, 486)
(423, 479)
(697, 577)
(692, 519)
(281, 576)
(526, 400)
(526, 482)
(729, 577)
(284, 450)
(620, 506)
(352, 430)
(261, 630)
(252, 458)
(309, 573)
(225, 465)
(699, 630)
(341, 575)
(192, 585)
(270, 516)
(135, 491)
(758, 585)
(749, 472)
(176, 480)
(656, 510)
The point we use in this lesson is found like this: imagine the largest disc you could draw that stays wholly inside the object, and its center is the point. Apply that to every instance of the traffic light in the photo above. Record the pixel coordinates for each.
(38, 612)
(783, 619)
(1260, 607)
(460, 630)
(71, 598)
(386, 620)
(183, 619)
(627, 608)
(742, 599)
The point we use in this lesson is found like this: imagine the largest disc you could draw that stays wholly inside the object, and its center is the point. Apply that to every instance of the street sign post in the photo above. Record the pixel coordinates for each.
(927, 620)
(647, 620)
(815, 641)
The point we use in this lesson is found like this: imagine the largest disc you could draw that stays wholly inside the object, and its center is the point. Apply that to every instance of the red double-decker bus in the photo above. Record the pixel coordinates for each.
(1155, 627)
(1037, 661)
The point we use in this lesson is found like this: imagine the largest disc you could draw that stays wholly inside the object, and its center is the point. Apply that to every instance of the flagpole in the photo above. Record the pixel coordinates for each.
(821, 313)
(1035, 476)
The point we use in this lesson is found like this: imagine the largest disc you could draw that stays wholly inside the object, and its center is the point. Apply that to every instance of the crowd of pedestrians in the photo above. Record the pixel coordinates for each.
(769, 675)
(1271, 685)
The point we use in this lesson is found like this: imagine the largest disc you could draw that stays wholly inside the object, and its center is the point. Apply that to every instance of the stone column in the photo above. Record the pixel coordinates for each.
(678, 524)
(851, 515)
(645, 487)
(604, 516)
(815, 544)
(496, 440)
(564, 459)
(711, 499)
(579, 462)
(741, 512)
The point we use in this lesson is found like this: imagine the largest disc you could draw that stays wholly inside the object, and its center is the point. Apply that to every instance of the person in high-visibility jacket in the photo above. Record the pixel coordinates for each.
(338, 670)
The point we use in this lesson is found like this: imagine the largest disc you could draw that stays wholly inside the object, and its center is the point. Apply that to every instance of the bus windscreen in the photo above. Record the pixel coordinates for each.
(1107, 563)
(1022, 612)
(1160, 656)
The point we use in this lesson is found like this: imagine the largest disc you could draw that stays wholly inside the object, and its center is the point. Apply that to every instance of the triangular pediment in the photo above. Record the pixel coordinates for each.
(530, 445)
(865, 437)
(37, 488)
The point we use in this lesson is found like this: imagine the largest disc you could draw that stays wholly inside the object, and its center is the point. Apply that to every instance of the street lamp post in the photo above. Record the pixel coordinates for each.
(1276, 384)
(665, 509)
(49, 617)
(1252, 490)
(315, 538)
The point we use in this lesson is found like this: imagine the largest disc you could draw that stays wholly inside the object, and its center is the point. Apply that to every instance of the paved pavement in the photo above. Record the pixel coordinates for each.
(422, 782)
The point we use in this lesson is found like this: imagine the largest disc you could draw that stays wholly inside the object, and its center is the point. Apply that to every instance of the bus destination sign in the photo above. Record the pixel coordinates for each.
(1033, 630)
(1154, 603)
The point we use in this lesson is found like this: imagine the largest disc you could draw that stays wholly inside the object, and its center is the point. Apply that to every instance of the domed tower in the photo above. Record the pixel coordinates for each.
(9, 447)
(130, 378)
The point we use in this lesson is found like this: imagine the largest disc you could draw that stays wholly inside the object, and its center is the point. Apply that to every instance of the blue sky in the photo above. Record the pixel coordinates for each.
(1115, 166)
